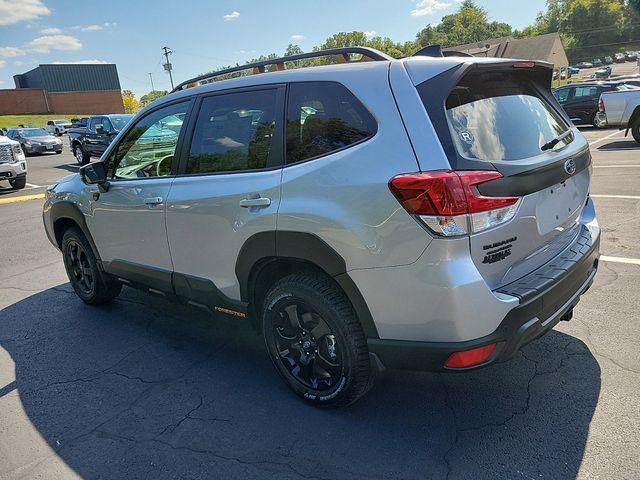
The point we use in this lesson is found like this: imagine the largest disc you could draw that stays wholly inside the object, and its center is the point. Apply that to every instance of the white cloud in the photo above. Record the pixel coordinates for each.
(109, 24)
(11, 52)
(297, 37)
(83, 62)
(427, 7)
(51, 31)
(370, 34)
(14, 11)
(91, 28)
(231, 16)
(46, 43)
(2, 63)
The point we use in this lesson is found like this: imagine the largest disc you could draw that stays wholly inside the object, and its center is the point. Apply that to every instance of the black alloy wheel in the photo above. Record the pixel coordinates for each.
(315, 340)
(307, 347)
(80, 270)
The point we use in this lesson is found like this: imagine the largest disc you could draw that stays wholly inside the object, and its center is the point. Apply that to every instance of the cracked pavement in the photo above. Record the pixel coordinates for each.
(143, 388)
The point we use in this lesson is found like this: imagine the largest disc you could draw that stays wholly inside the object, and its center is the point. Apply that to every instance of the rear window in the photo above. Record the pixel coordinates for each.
(500, 116)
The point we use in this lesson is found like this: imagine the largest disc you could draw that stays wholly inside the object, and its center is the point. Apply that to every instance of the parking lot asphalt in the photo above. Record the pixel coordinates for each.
(143, 388)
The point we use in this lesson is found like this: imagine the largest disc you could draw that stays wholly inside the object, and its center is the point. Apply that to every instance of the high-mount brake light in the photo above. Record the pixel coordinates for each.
(449, 202)
(524, 65)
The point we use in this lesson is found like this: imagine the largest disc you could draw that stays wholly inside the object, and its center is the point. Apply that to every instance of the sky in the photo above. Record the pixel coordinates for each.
(204, 34)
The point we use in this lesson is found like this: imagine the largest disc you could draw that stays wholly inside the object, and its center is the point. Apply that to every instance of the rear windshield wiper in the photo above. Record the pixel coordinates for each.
(552, 143)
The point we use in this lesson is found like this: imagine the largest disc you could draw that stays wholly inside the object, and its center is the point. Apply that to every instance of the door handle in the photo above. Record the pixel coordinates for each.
(153, 201)
(255, 202)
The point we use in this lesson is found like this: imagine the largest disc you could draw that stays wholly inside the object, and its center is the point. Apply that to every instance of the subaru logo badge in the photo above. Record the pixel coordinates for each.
(570, 166)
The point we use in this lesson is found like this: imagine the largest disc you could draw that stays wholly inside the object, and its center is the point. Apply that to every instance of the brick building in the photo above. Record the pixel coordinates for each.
(64, 89)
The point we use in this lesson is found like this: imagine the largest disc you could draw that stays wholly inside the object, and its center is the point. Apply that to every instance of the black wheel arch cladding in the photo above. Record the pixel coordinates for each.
(264, 247)
(68, 212)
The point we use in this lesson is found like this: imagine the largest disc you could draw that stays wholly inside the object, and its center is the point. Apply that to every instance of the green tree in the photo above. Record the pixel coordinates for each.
(468, 25)
(151, 96)
(589, 28)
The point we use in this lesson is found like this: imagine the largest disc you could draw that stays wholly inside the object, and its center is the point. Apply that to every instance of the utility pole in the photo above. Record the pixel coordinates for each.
(167, 66)
(153, 89)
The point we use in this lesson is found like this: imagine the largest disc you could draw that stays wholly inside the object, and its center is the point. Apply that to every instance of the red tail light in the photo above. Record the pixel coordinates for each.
(443, 199)
(601, 105)
(469, 358)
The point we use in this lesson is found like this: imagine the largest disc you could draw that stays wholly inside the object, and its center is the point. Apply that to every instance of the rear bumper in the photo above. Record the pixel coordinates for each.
(546, 295)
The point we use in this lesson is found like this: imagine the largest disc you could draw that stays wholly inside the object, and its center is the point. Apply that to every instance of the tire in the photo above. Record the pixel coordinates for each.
(58, 152)
(635, 130)
(93, 286)
(315, 340)
(24, 150)
(81, 157)
(18, 183)
(57, 132)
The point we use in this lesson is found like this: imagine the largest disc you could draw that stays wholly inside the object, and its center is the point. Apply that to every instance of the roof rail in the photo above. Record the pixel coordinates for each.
(260, 67)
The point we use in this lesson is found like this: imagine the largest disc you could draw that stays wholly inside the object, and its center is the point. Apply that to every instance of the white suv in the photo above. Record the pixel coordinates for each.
(13, 164)
(426, 213)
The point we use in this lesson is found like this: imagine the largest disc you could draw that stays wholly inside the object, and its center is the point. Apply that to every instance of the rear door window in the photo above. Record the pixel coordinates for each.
(235, 132)
(589, 91)
(324, 117)
(499, 116)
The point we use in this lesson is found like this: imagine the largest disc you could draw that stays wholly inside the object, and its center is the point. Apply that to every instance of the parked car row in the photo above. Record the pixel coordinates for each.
(612, 103)
(608, 60)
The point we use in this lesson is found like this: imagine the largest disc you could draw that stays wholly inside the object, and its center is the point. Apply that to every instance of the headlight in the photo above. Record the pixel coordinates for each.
(17, 150)
(28, 143)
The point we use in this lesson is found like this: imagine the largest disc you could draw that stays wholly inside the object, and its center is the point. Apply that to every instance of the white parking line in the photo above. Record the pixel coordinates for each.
(31, 185)
(605, 138)
(616, 166)
(629, 197)
(632, 261)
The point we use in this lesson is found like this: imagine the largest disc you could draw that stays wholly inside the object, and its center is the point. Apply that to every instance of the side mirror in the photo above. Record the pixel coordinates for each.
(100, 129)
(95, 174)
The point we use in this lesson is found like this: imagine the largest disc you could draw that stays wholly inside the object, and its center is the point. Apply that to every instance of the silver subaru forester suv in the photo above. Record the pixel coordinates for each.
(428, 213)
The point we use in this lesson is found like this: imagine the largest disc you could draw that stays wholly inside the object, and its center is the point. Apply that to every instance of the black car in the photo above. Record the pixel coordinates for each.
(35, 140)
(580, 100)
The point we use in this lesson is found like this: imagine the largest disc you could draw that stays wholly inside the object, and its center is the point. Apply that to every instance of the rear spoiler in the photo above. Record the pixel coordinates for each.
(436, 51)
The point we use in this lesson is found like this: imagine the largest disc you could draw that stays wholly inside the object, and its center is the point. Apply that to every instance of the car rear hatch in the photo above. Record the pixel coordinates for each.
(525, 170)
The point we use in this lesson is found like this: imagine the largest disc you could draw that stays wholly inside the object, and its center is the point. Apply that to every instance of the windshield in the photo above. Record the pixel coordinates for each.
(119, 121)
(498, 116)
(34, 132)
(61, 122)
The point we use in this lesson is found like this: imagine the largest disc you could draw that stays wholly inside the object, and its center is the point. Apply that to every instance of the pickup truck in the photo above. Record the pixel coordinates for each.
(621, 109)
(94, 138)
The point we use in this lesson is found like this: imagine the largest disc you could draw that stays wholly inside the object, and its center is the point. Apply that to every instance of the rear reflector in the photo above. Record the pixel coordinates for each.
(468, 358)
(449, 202)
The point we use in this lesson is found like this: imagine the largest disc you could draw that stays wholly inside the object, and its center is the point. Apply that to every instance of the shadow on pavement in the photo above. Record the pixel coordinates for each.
(145, 388)
(620, 145)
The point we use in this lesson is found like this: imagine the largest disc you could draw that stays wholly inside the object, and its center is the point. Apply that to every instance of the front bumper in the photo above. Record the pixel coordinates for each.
(43, 148)
(547, 295)
(9, 171)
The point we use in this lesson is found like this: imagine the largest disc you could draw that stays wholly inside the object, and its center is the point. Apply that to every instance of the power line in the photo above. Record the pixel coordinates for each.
(151, 78)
